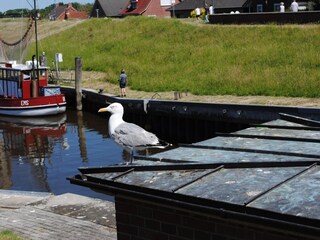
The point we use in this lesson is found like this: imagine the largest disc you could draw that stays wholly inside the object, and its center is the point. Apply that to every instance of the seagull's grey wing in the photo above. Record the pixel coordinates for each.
(131, 135)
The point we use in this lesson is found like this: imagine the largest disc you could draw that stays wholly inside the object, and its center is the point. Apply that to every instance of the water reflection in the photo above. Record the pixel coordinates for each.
(82, 136)
(37, 154)
(28, 141)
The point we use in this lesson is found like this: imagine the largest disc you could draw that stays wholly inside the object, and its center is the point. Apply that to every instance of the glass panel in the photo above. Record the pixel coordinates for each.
(259, 8)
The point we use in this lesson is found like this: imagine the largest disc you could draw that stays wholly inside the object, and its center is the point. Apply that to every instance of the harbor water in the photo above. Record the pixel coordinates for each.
(38, 154)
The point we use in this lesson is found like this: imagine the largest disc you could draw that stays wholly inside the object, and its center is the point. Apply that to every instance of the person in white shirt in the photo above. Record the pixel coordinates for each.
(211, 11)
(197, 13)
(294, 6)
(282, 8)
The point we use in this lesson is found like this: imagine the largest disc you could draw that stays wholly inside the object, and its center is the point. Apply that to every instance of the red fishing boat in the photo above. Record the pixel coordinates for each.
(24, 89)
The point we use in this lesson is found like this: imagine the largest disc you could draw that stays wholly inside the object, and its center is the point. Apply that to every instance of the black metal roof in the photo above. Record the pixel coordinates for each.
(268, 171)
(192, 4)
(58, 10)
(110, 8)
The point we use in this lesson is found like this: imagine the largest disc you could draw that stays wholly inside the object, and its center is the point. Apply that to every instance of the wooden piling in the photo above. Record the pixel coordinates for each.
(78, 82)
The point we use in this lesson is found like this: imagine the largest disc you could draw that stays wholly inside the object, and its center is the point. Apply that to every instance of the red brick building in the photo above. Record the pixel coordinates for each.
(148, 8)
(65, 12)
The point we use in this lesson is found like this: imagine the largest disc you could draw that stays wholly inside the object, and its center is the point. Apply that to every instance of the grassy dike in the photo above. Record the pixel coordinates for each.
(171, 54)
(8, 235)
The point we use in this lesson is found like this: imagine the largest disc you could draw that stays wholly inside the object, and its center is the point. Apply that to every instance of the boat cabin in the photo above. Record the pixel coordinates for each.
(20, 81)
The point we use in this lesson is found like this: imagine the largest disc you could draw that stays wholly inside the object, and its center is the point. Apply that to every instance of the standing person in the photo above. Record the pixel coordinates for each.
(43, 59)
(197, 13)
(282, 8)
(206, 13)
(294, 6)
(123, 83)
(211, 11)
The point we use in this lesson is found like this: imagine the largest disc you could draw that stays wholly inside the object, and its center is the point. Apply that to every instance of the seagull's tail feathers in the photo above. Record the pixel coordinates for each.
(161, 144)
(164, 144)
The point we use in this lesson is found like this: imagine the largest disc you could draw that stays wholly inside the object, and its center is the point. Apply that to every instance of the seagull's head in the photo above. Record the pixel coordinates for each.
(113, 108)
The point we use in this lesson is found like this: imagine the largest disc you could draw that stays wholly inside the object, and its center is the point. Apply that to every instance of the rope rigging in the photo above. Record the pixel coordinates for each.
(22, 38)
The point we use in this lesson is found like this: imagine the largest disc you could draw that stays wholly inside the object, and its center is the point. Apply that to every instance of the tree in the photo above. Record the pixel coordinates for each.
(86, 8)
(22, 12)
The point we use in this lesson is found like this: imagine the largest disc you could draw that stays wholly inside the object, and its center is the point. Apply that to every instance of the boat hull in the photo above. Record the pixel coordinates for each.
(37, 106)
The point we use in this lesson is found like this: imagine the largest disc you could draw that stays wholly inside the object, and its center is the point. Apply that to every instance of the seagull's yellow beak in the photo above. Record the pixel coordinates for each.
(103, 110)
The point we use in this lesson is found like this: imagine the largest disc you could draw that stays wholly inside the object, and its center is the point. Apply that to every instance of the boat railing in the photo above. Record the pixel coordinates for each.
(10, 83)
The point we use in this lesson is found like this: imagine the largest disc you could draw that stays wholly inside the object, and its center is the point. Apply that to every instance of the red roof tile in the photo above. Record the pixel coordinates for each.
(142, 6)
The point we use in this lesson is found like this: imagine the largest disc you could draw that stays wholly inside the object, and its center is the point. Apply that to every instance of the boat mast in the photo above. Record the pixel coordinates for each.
(36, 34)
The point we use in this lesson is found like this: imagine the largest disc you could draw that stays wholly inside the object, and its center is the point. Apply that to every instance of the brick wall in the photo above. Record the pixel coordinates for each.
(140, 220)
(154, 9)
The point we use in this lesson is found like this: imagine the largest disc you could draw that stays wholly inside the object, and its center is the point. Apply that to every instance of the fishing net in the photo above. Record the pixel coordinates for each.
(3, 54)
(14, 43)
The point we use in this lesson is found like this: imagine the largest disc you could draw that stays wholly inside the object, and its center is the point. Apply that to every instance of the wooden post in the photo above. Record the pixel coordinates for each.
(78, 80)
(175, 95)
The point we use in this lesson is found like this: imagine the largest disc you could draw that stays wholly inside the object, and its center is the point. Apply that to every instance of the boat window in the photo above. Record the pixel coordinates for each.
(14, 75)
(9, 75)
(42, 72)
(26, 75)
(4, 77)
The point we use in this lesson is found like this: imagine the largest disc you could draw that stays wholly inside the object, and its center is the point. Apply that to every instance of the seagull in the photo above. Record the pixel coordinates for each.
(129, 135)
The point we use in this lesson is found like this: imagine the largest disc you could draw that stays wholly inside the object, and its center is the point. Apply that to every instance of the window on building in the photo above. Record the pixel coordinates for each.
(276, 7)
(134, 4)
(167, 2)
(259, 8)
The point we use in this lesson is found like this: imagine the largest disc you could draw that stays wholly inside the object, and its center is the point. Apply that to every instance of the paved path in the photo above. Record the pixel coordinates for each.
(39, 216)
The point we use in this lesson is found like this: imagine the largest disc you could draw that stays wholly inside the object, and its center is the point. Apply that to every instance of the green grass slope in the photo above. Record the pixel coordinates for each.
(168, 54)
(8, 235)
